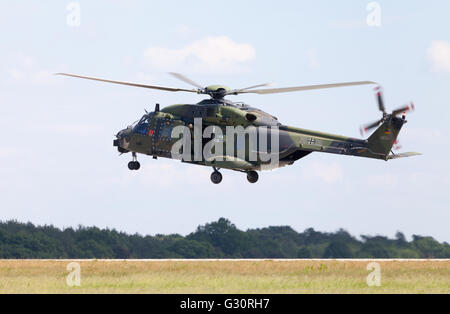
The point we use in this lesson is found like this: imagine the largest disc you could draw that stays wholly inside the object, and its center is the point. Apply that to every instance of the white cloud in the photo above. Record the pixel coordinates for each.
(183, 29)
(75, 129)
(327, 172)
(26, 60)
(219, 54)
(8, 152)
(145, 77)
(26, 70)
(424, 135)
(383, 180)
(313, 59)
(439, 56)
(16, 74)
(35, 77)
(43, 77)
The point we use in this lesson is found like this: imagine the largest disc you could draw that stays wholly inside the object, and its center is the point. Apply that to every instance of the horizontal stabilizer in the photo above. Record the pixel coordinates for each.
(403, 155)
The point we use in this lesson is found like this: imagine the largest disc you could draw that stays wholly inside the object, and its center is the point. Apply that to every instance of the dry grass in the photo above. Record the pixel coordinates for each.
(34, 276)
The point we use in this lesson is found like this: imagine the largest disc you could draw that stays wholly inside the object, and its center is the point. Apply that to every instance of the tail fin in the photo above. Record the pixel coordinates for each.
(382, 140)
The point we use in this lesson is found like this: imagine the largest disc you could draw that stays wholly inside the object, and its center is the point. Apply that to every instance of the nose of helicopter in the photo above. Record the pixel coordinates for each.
(122, 140)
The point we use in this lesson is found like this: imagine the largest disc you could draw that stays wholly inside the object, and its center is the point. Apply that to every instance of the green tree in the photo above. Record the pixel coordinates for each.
(214, 240)
(223, 235)
(428, 247)
(373, 250)
(304, 252)
(337, 249)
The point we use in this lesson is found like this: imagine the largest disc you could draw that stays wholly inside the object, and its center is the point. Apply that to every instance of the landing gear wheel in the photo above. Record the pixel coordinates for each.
(134, 165)
(216, 177)
(252, 176)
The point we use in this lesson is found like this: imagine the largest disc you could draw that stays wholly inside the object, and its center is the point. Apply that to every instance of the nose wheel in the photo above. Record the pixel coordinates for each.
(216, 177)
(134, 164)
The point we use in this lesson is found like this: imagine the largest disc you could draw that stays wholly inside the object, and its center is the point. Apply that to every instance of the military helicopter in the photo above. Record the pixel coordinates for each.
(152, 134)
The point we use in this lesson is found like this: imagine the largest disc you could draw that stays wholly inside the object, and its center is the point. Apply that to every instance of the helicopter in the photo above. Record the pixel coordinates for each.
(153, 133)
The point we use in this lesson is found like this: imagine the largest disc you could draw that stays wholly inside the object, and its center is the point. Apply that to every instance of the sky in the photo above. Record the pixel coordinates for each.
(58, 165)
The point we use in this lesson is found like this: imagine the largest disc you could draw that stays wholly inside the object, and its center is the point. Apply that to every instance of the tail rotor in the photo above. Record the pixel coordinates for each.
(386, 117)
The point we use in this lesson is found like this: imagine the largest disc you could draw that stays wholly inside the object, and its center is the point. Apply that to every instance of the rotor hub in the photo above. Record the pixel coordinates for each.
(217, 91)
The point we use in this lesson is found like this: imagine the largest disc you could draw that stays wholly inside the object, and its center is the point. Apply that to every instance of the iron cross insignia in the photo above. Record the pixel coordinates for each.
(311, 141)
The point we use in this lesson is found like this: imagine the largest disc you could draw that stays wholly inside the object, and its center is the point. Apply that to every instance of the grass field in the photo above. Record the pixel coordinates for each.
(292, 276)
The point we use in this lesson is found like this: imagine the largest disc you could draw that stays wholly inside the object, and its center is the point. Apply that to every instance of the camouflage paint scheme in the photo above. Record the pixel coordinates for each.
(152, 135)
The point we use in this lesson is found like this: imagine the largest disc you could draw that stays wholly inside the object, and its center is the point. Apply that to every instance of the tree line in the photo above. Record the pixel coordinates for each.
(220, 239)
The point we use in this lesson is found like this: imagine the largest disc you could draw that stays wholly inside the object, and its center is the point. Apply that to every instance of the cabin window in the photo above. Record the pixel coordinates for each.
(166, 129)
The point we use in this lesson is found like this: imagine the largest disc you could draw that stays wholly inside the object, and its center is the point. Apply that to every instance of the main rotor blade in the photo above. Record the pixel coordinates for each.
(186, 80)
(303, 88)
(168, 89)
(240, 90)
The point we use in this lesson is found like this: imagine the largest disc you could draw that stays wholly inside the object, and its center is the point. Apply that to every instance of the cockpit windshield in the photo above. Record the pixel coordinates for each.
(141, 126)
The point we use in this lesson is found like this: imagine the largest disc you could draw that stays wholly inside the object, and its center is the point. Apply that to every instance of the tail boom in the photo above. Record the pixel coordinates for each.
(377, 146)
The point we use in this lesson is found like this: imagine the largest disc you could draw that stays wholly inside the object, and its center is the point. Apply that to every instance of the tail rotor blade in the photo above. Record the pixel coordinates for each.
(380, 99)
(403, 109)
(370, 126)
(397, 145)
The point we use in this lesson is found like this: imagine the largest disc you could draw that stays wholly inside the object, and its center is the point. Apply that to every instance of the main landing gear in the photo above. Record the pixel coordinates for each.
(252, 176)
(216, 176)
(134, 164)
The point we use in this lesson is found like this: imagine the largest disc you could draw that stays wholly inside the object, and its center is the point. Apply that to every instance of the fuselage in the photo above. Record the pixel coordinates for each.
(153, 135)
